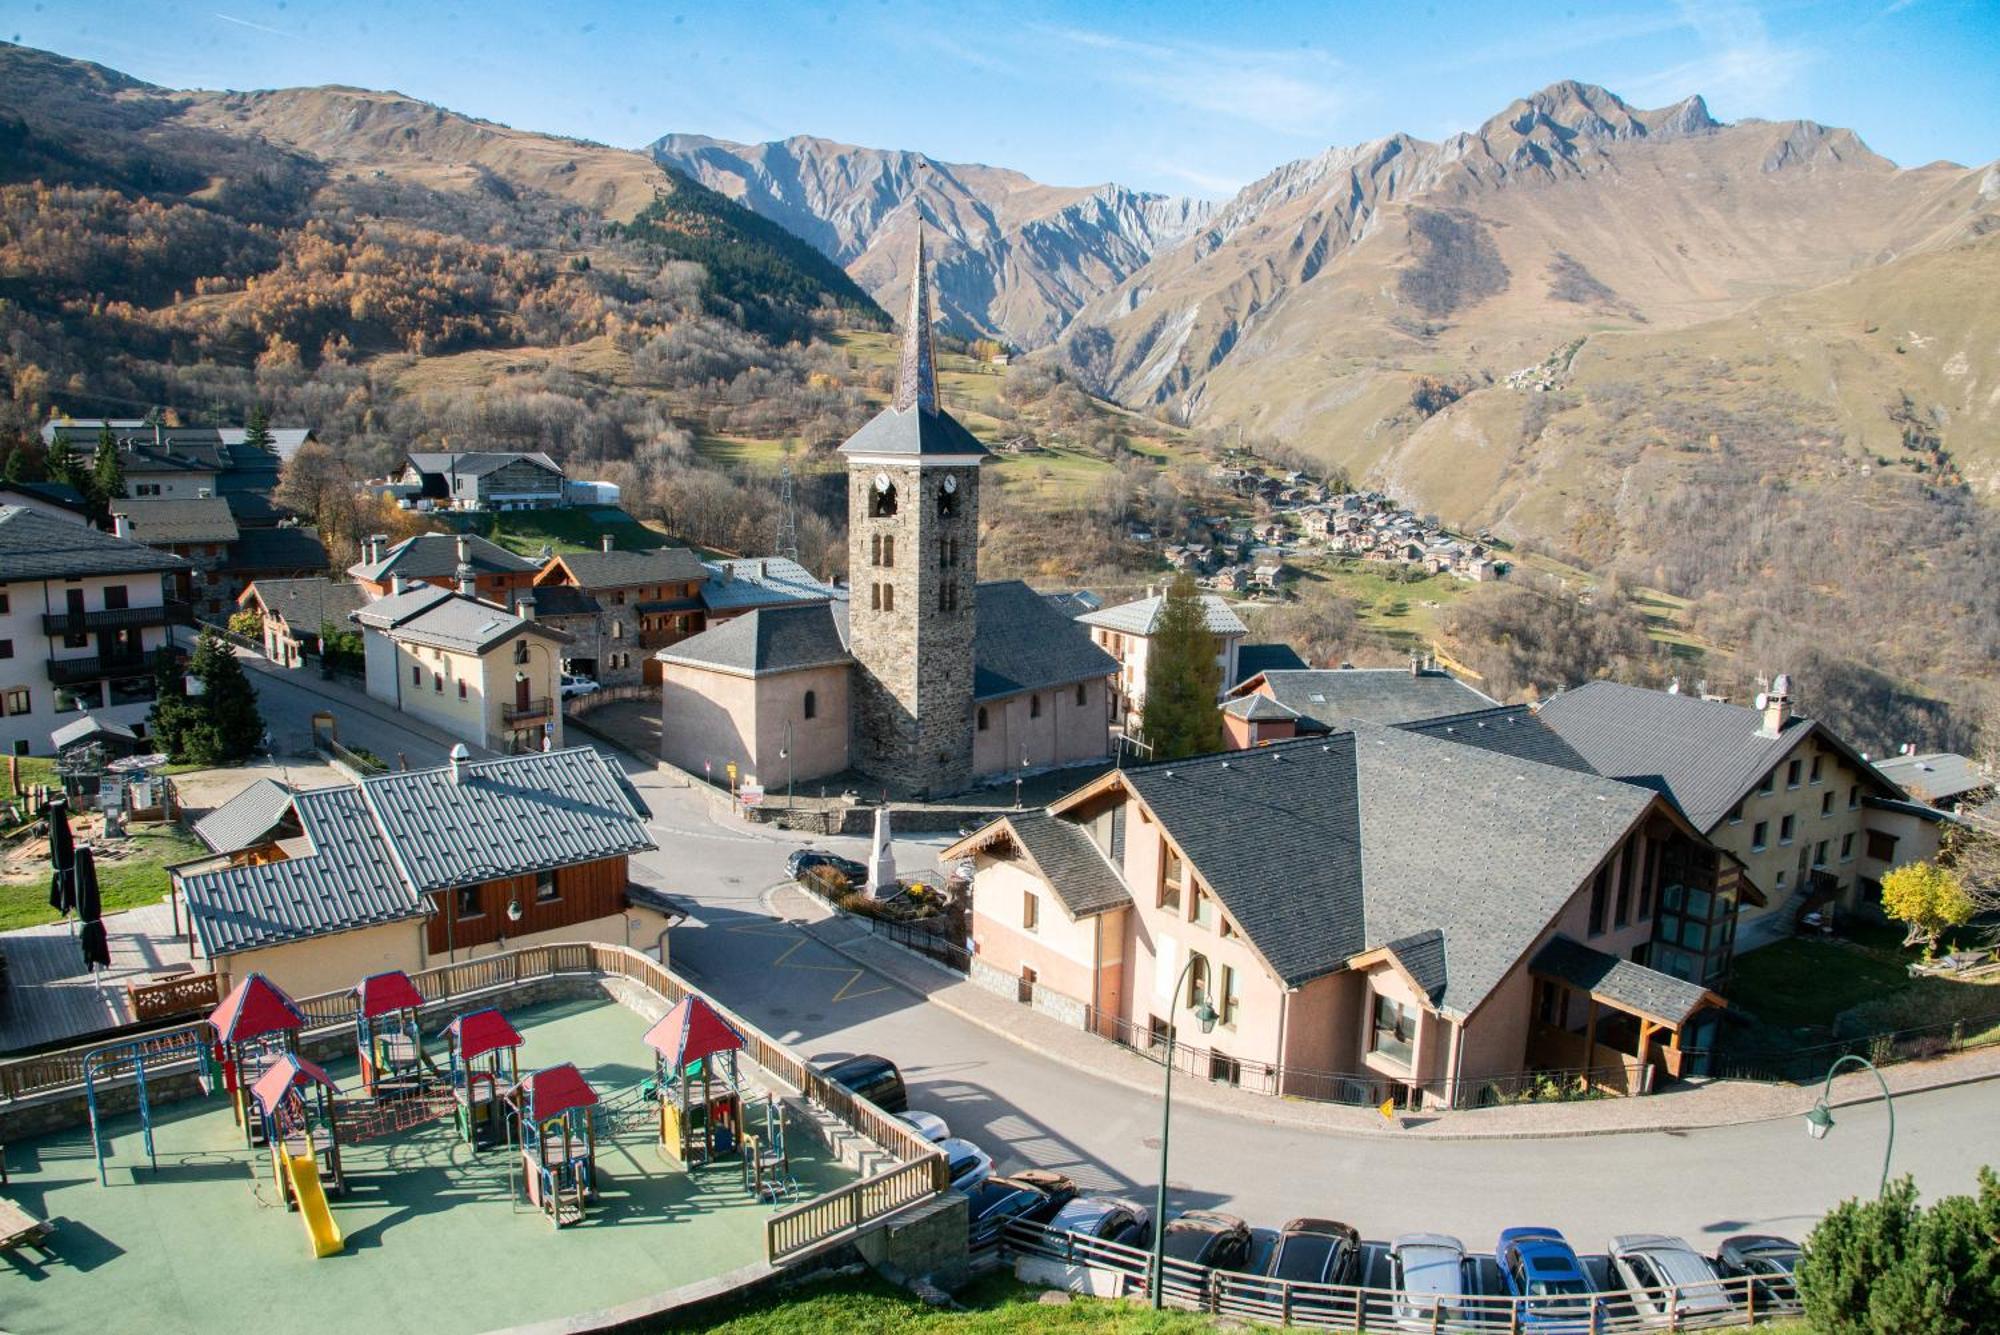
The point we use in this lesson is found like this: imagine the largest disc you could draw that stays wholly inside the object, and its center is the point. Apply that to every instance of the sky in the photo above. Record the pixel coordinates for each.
(1177, 97)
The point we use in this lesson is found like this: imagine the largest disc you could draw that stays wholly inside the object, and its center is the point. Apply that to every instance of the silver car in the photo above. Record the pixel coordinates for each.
(1667, 1277)
(1428, 1272)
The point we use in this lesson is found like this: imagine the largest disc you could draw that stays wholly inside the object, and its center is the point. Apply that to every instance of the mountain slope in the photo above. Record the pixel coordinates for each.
(1014, 258)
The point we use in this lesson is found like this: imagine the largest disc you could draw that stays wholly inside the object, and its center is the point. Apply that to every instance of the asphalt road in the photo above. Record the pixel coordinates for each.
(1026, 1110)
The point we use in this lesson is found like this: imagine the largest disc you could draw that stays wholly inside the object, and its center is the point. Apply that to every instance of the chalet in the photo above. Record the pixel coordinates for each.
(1939, 778)
(223, 556)
(1815, 825)
(1268, 574)
(484, 480)
(299, 613)
(406, 870)
(619, 608)
(188, 463)
(1126, 633)
(1328, 699)
(469, 667)
(1231, 579)
(1399, 915)
(445, 560)
(56, 499)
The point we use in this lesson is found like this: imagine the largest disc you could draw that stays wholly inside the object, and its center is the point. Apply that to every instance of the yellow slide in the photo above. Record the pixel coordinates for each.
(303, 1169)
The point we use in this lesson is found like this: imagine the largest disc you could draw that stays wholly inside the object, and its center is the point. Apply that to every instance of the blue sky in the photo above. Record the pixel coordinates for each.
(1195, 98)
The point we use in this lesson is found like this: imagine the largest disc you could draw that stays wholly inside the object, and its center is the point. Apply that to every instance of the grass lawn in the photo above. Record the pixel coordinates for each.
(34, 770)
(999, 1306)
(1801, 986)
(526, 532)
(138, 876)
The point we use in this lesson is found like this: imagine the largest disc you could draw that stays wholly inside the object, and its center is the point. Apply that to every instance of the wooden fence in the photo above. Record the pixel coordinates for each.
(189, 994)
(920, 1171)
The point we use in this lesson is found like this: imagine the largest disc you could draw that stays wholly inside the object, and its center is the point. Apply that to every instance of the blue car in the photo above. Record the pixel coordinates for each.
(1538, 1265)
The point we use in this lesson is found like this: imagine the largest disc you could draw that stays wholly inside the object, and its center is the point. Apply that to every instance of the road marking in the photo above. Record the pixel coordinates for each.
(845, 992)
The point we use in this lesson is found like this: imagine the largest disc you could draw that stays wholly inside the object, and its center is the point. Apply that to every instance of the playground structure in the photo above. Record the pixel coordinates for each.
(701, 1115)
(295, 1100)
(485, 1063)
(254, 1026)
(767, 1164)
(552, 1108)
(387, 1037)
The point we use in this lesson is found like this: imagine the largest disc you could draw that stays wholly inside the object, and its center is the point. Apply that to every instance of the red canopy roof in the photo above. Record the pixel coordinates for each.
(254, 1007)
(554, 1090)
(690, 1031)
(481, 1032)
(282, 1074)
(387, 993)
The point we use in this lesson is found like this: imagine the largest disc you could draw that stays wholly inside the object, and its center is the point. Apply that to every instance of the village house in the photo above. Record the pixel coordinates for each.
(222, 555)
(1940, 779)
(1318, 700)
(1125, 631)
(466, 666)
(618, 608)
(1408, 917)
(439, 559)
(82, 616)
(482, 480)
(58, 500)
(409, 870)
(189, 463)
(299, 613)
(1813, 823)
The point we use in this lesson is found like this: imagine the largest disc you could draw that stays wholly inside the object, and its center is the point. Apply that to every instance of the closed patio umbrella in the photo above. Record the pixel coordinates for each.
(90, 911)
(62, 857)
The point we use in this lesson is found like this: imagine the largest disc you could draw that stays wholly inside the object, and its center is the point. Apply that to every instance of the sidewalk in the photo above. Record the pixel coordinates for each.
(1718, 1103)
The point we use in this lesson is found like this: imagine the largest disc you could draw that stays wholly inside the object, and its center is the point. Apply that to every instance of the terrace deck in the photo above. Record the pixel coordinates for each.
(436, 1240)
(53, 998)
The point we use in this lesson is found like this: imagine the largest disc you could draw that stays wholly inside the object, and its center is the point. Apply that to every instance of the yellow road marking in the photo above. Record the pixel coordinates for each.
(844, 992)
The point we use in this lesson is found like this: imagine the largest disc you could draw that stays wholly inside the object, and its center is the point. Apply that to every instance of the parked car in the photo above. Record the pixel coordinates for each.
(805, 861)
(873, 1078)
(968, 1164)
(573, 686)
(1035, 1195)
(1208, 1238)
(1538, 1265)
(1106, 1218)
(1427, 1270)
(1769, 1262)
(1315, 1251)
(928, 1125)
(1667, 1277)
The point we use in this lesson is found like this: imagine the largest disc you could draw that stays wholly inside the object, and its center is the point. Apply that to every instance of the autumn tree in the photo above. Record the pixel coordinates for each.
(1183, 679)
(1929, 898)
(315, 483)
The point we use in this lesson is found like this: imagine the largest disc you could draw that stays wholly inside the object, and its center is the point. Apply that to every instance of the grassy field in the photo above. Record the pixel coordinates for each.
(1801, 986)
(526, 532)
(34, 770)
(997, 1306)
(138, 876)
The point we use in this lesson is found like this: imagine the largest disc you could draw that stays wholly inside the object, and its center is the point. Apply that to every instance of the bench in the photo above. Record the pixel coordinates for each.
(18, 1228)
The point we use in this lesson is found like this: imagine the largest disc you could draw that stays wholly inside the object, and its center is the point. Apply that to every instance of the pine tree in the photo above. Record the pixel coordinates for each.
(1183, 680)
(167, 722)
(107, 471)
(20, 465)
(258, 433)
(225, 726)
(63, 466)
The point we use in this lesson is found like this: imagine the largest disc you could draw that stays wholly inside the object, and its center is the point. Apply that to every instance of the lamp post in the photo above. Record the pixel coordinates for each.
(1820, 1120)
(1205, 1013)
(785, 754)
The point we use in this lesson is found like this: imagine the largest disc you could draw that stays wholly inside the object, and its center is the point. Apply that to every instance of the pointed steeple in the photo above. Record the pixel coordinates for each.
(916, 373)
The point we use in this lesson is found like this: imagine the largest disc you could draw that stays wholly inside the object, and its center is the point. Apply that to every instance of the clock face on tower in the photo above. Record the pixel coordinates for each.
(950, 484)
(881, 482)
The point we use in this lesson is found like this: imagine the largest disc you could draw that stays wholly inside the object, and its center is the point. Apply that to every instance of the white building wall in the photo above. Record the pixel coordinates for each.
(25, 651)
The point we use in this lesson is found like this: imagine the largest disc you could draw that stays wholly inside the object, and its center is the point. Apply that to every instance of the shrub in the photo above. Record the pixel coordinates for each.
(1891, 1266)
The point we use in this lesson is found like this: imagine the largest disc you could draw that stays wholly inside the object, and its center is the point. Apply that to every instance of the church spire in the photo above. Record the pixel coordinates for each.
(916, 373)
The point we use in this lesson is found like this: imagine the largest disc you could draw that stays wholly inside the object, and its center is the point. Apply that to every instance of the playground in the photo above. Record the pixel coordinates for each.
(458, 1183)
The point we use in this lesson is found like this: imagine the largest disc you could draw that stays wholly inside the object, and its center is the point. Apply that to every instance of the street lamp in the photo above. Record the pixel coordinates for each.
(1017, 780)
(785, 754)
(1820, 1120)
(1204, 1013)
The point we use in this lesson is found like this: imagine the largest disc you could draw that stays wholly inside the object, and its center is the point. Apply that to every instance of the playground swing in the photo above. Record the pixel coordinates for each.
(552, 1108)
(484, 1052)
(386, 1036)
(254, 1026)
(294, 1100)
(701, 1100)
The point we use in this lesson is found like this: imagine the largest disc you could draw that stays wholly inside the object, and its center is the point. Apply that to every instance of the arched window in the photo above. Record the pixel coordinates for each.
(881, 497)
(982, 718)
(947, 503)
(874, 597)
(888, 597)
(520, 651)
(812, 704)
(888, 549)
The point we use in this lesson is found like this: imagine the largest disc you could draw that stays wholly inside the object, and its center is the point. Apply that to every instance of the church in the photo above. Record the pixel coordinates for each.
(924, 680)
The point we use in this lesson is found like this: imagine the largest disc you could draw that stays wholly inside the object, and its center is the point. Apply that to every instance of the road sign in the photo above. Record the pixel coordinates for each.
(751, 793)
(1388, 1109)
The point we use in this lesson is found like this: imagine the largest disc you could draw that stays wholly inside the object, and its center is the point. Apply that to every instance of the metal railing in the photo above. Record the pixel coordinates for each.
(1365, 1089)
(70, 671)
(117, 618)
(919, 1173)
(1804, 1066)
(537, 708)
(1123, 1272)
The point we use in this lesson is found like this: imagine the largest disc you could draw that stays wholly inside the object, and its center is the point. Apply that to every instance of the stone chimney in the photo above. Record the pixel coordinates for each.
(375, 542)
(121, 525)
(1776, 706)
(461, 760)
(524, 605)
(1416, 663)
(468, 578)
(604, 543)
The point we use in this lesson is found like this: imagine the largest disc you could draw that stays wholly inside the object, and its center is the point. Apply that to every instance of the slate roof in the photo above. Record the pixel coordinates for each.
(444, 619)
(914, 433)
(766, 640)
(615, 569)
(164, 519)
(34, 545)
(278, 549)
(1327, 698)
(505, 817)
(435, 556)
(309, 604)
(87, 727)
(347, 880)
(1257, 708)
(1422, 956)
(246, 819)
(478, 463)
(1655, 995)
(1705, 754)
(564, 600)
(1021, 643)
(1079, 874)
(1937, 776)
(1512, 730)
(1142, 615)
(1253, 659)
(60, 494)
(760, 581)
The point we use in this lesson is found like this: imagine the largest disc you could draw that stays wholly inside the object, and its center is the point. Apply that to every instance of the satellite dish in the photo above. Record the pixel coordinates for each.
(1763, 700)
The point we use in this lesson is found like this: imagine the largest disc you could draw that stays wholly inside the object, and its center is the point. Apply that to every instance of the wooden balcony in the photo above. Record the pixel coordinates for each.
(71, 671)
(534, 709)
(117, 618)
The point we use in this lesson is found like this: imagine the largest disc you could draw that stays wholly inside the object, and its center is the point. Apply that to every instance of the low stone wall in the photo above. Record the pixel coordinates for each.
(1056, 1005)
